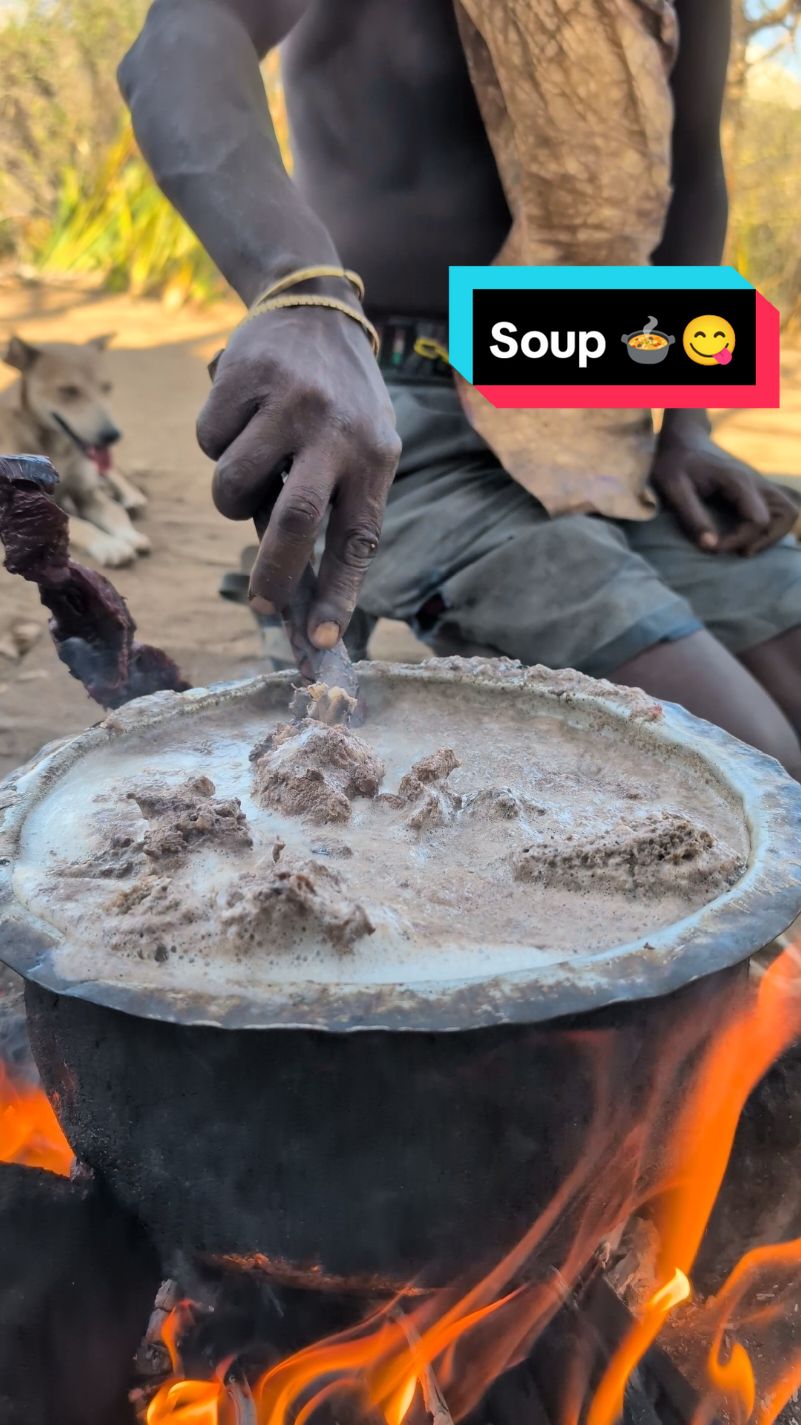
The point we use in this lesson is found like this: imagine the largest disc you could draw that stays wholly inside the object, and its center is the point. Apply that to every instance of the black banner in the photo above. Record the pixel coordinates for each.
(583, 337)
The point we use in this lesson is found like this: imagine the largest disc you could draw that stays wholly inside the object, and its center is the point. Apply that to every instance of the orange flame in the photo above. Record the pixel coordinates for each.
(607, 1404)
(29, 1130)
(396, 1410)
(701, 1144)
(190, 1402)
(464, 1340)
(735, 1379)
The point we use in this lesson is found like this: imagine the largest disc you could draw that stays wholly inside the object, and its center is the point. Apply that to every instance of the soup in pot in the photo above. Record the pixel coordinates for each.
(647, 341)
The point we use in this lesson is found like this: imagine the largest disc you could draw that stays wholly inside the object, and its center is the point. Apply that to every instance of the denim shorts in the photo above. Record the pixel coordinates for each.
(467, 550)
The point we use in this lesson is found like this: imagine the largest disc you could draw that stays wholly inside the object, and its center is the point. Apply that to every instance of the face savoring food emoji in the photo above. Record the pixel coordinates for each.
(709, 341)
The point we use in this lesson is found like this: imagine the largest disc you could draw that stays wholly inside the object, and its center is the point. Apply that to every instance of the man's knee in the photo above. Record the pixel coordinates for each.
(776, 664)
(701, 675)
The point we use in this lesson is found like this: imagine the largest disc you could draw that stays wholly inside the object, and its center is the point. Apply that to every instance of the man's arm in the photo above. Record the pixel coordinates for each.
(296, 389)
(690, 471)
(194, 88)
(695, 231)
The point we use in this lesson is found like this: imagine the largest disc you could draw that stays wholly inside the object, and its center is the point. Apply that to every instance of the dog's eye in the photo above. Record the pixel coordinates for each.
(69, 393)
(106, 387)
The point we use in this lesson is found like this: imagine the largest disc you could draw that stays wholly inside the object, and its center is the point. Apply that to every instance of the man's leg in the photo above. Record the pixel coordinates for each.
(776, 664)
(752, 607)
(705, 678)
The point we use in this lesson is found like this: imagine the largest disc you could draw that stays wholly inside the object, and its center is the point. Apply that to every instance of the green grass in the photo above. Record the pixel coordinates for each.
(75, 194)
(115, 224)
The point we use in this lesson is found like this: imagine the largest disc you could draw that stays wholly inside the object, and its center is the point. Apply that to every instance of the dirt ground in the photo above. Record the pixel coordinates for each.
(158, 363)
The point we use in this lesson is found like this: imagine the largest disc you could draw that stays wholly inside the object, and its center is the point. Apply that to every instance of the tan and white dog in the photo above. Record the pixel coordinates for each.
(60, 409)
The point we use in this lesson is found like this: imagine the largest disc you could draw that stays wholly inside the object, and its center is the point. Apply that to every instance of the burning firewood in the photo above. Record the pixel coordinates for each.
(91, 625)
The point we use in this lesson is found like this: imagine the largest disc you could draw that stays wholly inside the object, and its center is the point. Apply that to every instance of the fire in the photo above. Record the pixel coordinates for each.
(607, 1404)
(192, 1402)
(733, 1064)
(445, 1350)
(395, 1411)
(741, 1306)
(29, 1130)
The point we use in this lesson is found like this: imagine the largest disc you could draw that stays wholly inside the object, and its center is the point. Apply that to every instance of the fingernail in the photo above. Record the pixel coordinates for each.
(261, 606)
(325, 635)
(708, 541)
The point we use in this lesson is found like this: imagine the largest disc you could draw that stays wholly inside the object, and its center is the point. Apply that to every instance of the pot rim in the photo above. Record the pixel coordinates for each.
(719, 935)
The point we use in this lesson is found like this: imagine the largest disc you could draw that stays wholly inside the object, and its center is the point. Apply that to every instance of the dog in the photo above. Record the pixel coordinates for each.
(62, 411)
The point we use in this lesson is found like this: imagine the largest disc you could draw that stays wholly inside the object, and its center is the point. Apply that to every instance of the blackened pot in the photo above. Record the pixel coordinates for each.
(367, 1158)
(347, 1132)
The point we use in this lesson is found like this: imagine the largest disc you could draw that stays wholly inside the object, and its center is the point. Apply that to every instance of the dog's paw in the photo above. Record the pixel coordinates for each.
(111, 551)
(134, 502)
(140, 542)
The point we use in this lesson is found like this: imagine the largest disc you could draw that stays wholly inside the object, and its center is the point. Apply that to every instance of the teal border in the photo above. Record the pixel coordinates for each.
(463, 281)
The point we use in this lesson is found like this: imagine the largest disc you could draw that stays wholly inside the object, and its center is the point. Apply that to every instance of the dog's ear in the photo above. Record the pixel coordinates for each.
(20, 354)
(101, 342)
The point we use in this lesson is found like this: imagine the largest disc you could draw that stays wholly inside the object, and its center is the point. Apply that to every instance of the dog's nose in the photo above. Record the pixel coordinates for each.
(109, 435)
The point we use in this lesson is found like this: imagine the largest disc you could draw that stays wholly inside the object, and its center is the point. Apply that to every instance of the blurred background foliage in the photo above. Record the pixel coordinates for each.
(77, 200)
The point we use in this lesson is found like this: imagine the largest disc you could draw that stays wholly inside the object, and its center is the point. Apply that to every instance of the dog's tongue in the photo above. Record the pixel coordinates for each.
(723, 357)
(101, 454)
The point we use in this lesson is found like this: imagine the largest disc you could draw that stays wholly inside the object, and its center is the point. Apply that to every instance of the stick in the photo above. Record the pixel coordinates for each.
(244, 1406)
(433, 1399)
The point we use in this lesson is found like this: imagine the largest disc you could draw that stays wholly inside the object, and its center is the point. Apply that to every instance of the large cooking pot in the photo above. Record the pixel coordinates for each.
(362, 1126)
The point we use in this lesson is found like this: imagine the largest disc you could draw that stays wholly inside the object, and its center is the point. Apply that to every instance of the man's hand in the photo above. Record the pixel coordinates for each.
(299, 391)
(723, 504)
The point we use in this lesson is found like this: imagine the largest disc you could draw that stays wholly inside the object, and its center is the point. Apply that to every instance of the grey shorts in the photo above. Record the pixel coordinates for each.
(468, 553)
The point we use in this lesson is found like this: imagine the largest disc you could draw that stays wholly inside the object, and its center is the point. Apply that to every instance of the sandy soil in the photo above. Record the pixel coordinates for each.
(158, 362)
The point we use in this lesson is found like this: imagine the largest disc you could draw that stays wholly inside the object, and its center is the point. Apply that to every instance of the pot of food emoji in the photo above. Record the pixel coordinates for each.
(648, 346)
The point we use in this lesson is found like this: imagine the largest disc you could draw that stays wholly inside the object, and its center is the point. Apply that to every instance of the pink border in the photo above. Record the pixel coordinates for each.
(764, 394)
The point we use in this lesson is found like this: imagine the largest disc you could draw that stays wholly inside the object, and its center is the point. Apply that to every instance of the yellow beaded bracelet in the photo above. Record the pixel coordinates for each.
(270, 299)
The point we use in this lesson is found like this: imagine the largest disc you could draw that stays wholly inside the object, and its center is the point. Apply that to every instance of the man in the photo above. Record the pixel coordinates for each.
(399, 173)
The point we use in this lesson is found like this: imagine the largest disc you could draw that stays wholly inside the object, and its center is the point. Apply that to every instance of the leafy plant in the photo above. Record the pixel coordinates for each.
(115, 223)
(76, 196)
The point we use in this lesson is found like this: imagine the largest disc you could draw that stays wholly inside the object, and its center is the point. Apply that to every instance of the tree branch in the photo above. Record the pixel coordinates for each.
(767, 19)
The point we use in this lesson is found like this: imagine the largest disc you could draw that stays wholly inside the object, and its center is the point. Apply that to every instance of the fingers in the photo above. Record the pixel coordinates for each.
(783, 517)
(354, 531)
(747, 496)
(229, 407)
(288, 541)
(693, 515)
(755, 512)
(247, 478)
(745, 538)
